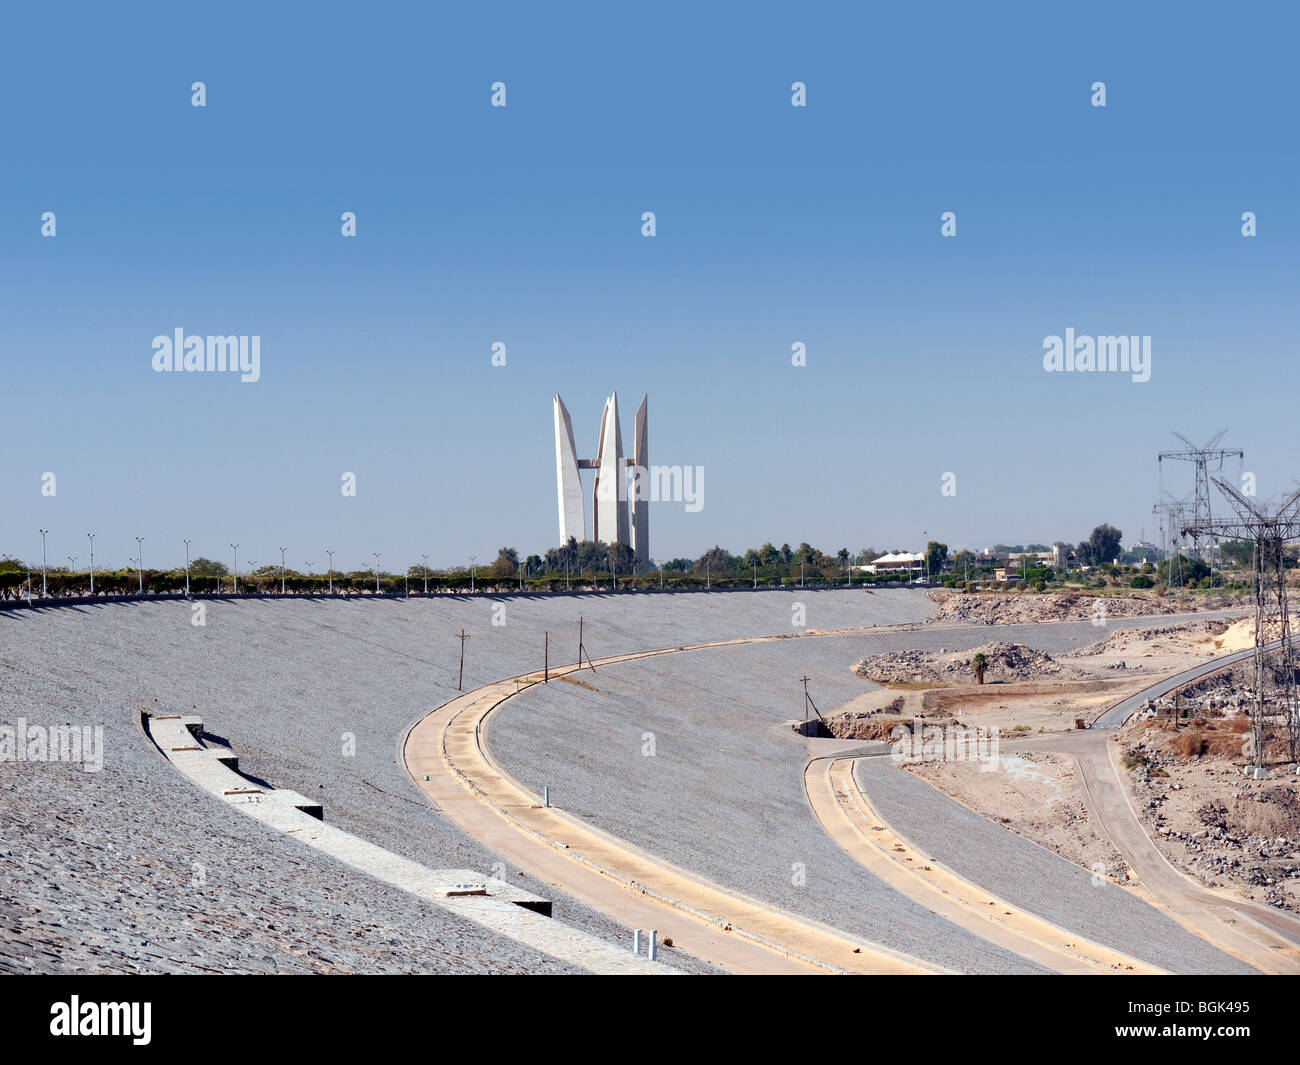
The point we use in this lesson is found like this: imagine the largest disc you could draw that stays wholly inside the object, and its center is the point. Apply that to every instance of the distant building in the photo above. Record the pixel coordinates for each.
(897, 562)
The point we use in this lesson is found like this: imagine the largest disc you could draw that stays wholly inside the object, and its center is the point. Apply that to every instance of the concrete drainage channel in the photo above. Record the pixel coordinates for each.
(491, 904)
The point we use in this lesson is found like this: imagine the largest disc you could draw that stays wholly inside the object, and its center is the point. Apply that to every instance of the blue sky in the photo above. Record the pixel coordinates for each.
(522, 225)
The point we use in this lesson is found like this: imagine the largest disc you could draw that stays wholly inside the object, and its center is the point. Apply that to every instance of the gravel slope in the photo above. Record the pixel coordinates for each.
(1031, 876)
(288, 683)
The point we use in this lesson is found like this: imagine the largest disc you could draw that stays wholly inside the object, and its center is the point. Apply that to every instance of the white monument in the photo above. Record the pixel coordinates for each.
(610, 495)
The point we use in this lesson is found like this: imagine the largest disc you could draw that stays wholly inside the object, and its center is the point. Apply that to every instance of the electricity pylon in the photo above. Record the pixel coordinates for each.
(1201, 458)
(1274, 656)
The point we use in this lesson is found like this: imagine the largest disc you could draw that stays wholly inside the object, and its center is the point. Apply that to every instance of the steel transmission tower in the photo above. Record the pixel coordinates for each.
(1201, 458)
(1173, 515)
(1274, 656)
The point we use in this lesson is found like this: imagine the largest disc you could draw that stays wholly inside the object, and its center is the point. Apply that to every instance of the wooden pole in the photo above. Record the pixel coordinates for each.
(460, 681)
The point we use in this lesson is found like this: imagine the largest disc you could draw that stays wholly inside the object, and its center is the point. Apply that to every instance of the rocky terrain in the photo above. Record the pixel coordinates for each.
(998, 608)
(1005, 662)
(1210, 821)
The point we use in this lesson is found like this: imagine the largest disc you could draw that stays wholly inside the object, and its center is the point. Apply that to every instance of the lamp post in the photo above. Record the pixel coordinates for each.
(282, 571)
(472, 560)
(139, 550)
(756, 574)
(235, 571)
(187, 568)
(426, 573)
(707, 585)
(331, 555)
(376, 554)
(43, 532)
(92, 562)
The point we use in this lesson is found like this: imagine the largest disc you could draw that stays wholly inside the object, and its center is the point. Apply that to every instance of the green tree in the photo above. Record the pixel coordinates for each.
(979, 664)
(507, 563)
(936, 554)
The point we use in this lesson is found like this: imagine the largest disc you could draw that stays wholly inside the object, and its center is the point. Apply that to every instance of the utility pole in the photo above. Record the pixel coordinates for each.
(187, 569)
(805, 680)
(235, 572)
(331, 555)
(471, 574)
(43, 532)
(546, 659)
(139, 548)
(426, 573)
(460, 680)
(582, 649)
(92, 562)
(755, 574)
(282, 571)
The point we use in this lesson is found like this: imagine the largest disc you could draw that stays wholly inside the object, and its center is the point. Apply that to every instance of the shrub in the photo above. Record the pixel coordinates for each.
(1142, 581)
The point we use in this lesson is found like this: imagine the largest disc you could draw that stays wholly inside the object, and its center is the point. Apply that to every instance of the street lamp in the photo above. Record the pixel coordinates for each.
(235, 571)
(331, 555)
(43, 532)
(187, 568)
(92, 562)
(472, 560)
(376, 554)
(426, 573)
(139, 549)
(282, 571)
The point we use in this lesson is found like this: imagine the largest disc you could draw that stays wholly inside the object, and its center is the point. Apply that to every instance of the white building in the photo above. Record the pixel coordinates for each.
(897, 562)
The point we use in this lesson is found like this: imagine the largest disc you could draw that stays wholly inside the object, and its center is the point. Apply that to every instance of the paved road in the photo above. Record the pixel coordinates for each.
(1123, 710)
(1265, 938)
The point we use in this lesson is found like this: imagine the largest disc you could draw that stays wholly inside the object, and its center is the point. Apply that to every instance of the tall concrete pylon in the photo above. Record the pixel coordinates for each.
(573, 522)
(641, 497)
(610, 491)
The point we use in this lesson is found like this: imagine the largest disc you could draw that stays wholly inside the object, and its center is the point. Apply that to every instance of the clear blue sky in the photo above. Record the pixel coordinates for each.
(522, 225)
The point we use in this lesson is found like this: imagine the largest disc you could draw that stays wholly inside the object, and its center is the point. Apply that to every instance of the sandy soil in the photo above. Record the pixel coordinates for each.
(1027, 692)
(1207, 819)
